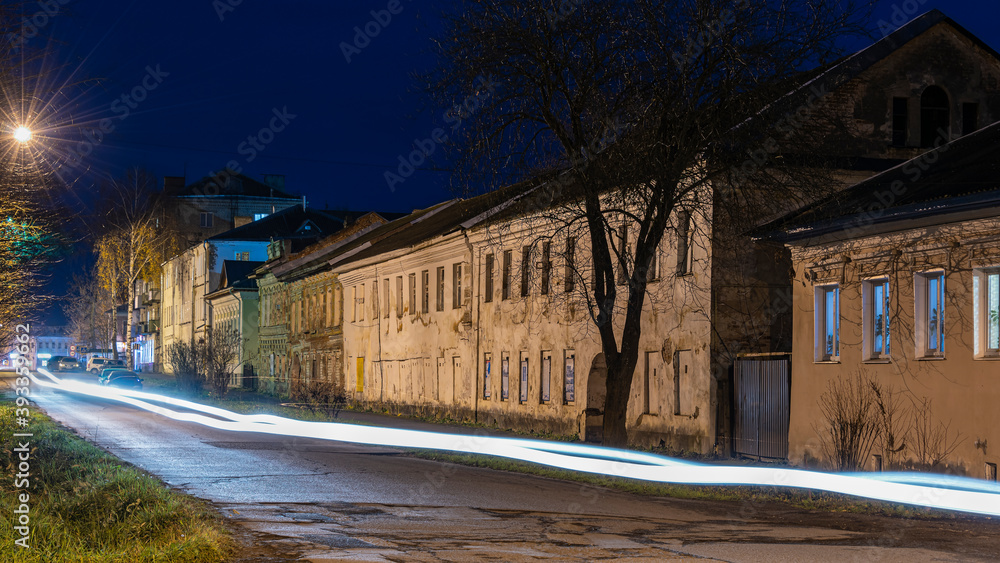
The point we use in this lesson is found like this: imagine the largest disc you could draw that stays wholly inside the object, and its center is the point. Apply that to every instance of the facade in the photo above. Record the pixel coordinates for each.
(899, 281)
(234, 308)
(301, 324)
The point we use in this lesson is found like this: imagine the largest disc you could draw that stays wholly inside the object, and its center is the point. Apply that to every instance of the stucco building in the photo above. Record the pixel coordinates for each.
(899, 280)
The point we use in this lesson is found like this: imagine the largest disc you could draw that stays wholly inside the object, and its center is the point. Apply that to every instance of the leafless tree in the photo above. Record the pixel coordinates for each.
(851, 424)
(220, 358)
(633, 111)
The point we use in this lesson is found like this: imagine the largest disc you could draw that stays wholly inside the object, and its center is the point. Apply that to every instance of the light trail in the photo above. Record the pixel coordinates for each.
(926, 490)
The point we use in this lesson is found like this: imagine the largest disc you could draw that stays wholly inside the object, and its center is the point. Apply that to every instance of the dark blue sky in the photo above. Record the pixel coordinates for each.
(228, 68)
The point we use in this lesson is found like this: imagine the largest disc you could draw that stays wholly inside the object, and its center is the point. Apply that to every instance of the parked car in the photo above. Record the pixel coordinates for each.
(95, 365)
(125, 379)
(106, 373)
(67, 363)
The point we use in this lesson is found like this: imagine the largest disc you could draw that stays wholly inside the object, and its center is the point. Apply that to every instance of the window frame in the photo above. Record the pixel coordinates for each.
(984, 320)
(876, 295)
(923, 295)
(826, 351)
(488, 266)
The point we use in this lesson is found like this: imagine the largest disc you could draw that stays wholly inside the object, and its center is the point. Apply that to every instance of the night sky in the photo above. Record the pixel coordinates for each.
(223, 69)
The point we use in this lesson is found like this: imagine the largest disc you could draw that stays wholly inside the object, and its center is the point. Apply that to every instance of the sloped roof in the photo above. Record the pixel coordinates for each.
(229, 184)
(235, 274)
(963, 175)
(440, 220)
(289, 223)
(838, 73)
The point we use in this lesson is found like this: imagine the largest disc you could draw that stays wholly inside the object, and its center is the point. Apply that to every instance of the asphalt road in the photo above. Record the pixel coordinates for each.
(327, 501)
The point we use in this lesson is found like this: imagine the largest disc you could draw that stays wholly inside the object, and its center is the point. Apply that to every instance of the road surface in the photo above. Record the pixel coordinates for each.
(314, 500)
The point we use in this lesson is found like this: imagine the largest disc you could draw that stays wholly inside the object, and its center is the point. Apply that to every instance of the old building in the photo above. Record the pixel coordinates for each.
(189, 277)
(301, 337)
(898, 280)
(233, 308)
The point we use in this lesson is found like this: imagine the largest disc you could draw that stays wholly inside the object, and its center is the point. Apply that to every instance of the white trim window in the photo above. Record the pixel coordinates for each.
(986, 312)
(929, 292)
(875, 302)
(827, 328)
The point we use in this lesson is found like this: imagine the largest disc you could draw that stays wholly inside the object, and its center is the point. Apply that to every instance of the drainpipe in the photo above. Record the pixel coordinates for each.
(476, 279)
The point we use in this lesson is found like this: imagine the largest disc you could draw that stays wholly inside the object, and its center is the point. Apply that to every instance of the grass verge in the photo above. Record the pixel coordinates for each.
(86, 506)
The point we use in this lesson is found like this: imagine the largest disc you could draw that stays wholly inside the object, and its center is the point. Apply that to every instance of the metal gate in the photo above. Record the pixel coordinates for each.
(760, 423)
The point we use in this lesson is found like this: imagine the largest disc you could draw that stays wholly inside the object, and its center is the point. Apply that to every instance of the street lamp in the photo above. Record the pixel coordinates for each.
(22, 134)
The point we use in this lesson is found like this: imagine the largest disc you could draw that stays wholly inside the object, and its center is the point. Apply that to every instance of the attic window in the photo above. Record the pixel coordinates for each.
(259, 216)
(935, 117)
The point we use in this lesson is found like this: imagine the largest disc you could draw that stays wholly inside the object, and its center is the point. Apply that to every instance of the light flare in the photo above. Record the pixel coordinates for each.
(931, 491)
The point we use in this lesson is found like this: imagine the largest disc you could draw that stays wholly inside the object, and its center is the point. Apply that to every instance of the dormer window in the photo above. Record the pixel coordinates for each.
(935, 117)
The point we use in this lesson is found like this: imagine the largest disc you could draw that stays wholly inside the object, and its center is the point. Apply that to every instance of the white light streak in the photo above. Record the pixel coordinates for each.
(918, 489)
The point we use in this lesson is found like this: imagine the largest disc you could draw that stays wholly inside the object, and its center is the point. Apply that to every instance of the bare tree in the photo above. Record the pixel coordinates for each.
(184, 358)
(220, 358)
(633, 111)
(851, 421)
(87, 309)
(132, 243)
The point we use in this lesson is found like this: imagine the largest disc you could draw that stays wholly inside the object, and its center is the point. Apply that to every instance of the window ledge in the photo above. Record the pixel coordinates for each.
(930, 358)
(987, 358)
(826, 361)
(877, 361)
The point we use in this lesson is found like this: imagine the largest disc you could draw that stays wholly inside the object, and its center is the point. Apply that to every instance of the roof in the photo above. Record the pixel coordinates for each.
(226, 183)
(436, 221)
(289, 223)
(963, 175)
(838, 73)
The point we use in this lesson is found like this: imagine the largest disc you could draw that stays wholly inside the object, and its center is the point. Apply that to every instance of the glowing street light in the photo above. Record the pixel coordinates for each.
(22, 134)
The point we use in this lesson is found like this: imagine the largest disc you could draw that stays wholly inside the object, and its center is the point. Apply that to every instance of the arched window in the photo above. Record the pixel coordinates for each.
(935, 118)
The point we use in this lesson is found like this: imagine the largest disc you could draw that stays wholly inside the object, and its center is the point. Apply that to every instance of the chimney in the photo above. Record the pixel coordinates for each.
(303, 203)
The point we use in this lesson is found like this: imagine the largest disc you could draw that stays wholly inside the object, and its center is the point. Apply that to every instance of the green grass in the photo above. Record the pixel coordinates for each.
(86, 506)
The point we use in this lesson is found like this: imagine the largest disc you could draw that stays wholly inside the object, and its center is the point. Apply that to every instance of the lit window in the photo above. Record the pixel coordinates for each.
(929, 308)
(986, 315)
(828, 323)
(875, 298)
(259, 216)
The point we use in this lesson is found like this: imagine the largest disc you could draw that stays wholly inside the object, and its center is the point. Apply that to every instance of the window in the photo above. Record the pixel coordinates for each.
(425, 291)
(875, 302)
(546, 267)
(622, 254)
(546, 383)
(900, 121)
(524, 378)
(929, 313)
(488, 282)
(206, 220)
(970, 118)
(242, 256)
(440, 288)
(570, 273)
(399, 297)
(505, 281)
(456, 286)
(828, 323)
(361, 303)
(487, 367)
(413, 294)
(653, 273)
(259, 216)
(525, 270)
(504, 377)
(935, 118)
(685, 240)
(569, 377)
(385, 298)
(986, 314)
